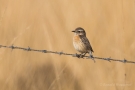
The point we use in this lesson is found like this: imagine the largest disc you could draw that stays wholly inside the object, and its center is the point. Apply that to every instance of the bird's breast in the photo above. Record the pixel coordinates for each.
(76, 38)
(78, 44)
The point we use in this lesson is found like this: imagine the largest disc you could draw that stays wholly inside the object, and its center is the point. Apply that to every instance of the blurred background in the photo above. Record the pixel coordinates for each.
(47, 24)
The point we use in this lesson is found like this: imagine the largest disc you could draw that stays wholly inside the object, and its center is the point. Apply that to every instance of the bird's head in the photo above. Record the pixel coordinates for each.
(79, 31)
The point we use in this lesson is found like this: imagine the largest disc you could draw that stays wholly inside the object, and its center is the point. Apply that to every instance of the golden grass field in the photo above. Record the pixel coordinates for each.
(47, 24)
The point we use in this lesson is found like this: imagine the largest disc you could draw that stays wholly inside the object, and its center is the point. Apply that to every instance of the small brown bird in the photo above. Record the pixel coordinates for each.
(81, 43)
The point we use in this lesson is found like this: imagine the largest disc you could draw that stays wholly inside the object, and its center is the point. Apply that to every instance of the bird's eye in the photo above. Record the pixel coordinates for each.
(79, 31)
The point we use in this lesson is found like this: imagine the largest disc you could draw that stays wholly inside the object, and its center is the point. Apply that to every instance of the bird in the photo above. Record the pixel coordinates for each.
(81, 42)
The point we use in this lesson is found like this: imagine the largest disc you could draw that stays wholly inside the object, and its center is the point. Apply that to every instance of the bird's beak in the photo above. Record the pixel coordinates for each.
(73, 31)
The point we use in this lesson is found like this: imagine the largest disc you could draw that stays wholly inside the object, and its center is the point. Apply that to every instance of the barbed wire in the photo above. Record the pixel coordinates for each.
(62, 53)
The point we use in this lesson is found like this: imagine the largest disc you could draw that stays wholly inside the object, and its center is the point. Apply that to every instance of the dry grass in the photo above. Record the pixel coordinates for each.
(47, 24)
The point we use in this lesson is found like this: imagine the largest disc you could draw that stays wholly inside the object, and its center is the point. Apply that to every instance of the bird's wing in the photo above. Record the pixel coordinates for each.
(86, 42)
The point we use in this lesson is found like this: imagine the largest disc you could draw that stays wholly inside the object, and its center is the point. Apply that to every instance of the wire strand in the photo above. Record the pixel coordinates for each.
(62, 53)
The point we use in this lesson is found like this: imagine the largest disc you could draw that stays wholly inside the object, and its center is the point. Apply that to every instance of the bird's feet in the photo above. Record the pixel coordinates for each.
(81, 56)
(78, 55)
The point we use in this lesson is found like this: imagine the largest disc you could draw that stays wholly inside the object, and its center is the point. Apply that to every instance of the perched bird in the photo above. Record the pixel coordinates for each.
(81, 43)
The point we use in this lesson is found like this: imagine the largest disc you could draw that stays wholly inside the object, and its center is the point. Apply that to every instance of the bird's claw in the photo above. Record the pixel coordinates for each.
(81, 56)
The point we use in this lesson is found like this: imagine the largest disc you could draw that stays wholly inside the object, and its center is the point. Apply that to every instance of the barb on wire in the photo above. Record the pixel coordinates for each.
(62, 53)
